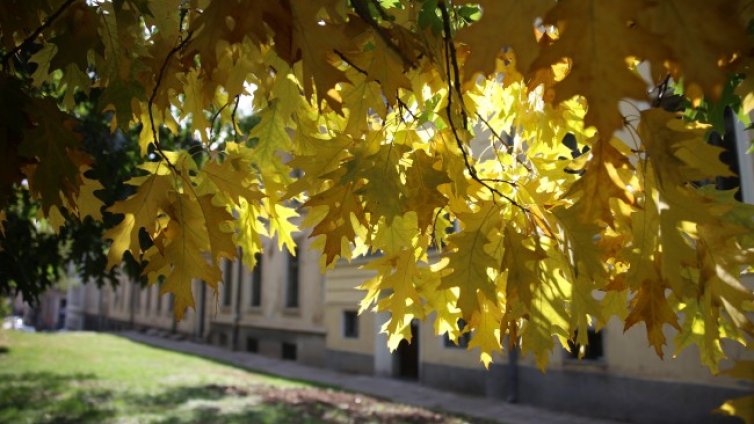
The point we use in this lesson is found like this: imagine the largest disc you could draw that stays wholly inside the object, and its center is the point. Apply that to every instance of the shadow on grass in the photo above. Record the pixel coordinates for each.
(44, 397)
(213, 403)
(262, 414)
(179, 395)
(267, 404)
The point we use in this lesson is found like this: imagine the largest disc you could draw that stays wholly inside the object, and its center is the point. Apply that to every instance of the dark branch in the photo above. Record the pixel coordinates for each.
(350, 63)
(434, 226)
(156, 88)
(450, 48)
(506, 145)
(499, 180)
(233, 118)
(451, 53)
(37, 32)
(362, 9)
(217, 114)
(408, 109)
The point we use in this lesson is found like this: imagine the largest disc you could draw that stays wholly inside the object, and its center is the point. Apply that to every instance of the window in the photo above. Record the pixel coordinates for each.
(463, 339)
(350, 325)
(228, 289)
(291, 289)
(256, 282)
(592, 351)
(222, 339)
(159, 302)
(289, 351)
(252, 345)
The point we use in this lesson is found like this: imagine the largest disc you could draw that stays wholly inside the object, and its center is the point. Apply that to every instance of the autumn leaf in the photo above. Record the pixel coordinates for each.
(598, 39)
(703, 56)
(55, 146)
(512, 23)
(511, 162)
(651, 306)
(139, 211)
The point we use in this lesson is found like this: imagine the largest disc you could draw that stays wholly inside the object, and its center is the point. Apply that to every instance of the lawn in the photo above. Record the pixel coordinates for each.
(90, 377)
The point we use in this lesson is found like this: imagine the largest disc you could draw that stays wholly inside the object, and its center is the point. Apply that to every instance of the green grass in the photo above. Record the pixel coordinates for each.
(90, 377)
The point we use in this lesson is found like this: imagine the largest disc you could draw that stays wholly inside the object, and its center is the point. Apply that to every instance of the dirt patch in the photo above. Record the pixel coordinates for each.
(342, 407)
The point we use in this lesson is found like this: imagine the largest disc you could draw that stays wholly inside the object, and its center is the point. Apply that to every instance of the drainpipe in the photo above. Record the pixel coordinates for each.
(202, 311)
(237, 315)
(174, 323)
(100, 309)
(132, 304)
(512, 374)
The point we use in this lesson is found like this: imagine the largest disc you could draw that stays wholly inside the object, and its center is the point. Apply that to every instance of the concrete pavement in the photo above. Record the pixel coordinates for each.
(400, 391)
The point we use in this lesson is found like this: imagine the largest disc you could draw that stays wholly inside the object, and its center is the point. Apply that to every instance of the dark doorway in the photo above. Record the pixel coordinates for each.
(407, 356)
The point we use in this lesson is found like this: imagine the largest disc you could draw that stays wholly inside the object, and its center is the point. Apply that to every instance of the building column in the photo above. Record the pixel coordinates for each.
(383, 360)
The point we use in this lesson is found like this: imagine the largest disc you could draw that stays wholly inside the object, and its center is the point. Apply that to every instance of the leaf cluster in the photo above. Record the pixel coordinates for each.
(533, 168)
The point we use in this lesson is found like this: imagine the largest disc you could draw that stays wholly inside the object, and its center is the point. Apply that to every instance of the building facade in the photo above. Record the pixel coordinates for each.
(285, 308)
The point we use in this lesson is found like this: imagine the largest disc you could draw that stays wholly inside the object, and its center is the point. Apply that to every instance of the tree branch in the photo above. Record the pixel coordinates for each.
(450, 49)
(217, 114)
(50, 19)
(508, 148)
(350, 63)
(150, 103)
(362, 9)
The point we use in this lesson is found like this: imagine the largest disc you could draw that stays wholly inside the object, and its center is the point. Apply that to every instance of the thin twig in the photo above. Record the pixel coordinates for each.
(381, 10)
(150, 103)
(434, 226)
(449, 47)
(408, 109)
(450, 53)
(362, 9)
(37, 32)
(350, 63)
(233, 118)
(500, 180)
(508, 148)
(216, 114)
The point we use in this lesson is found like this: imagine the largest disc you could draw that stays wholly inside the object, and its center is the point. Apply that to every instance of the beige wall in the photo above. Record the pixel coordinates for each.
(273, 313)
(341, 295)
(624, 354)
(432, 349)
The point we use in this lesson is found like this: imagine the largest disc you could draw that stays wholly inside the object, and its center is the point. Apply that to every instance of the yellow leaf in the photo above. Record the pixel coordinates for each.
(141, 210)
(336, 226)
(396, 235)
(678, 150)
(485, 323)
(279, 216)
(86, 202)
(701, 56)
(469, 260)
(422, 181)
(651, 306)
(178, 252)
(742, 407)
(598, 39)
(507, 23)
(217, 221)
